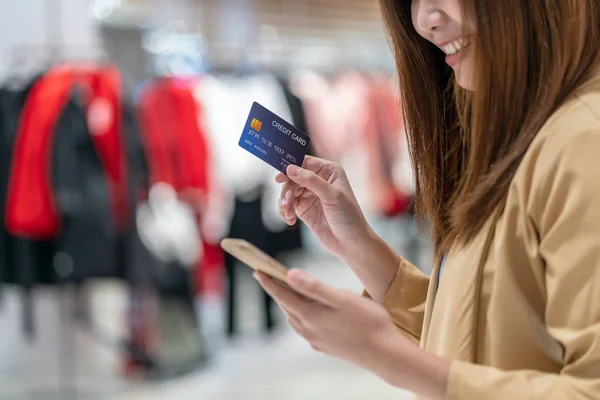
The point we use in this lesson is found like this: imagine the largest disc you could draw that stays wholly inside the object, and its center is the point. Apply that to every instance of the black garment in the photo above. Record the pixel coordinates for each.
(85, 247)
(22, 261)
(295, 105)
(297, 109)
(138, 259)
(119, 254)
(247, 224)
(81, 190)
(5, 156)
(89, 245)
(137, 163)
(290, 238)
(11, 104)
(18, 257)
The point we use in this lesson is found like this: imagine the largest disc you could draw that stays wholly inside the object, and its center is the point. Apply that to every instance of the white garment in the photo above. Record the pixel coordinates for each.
(168, 228)
(225, 105)
(403, 172)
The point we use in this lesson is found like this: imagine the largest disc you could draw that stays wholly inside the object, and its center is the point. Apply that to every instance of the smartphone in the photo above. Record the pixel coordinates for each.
(256, 259)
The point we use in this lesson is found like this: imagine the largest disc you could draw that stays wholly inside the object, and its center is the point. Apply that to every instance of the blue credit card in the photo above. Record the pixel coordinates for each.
(273, 140)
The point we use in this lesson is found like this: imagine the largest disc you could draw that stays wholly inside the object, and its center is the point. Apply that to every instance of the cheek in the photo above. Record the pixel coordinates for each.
(414, 14)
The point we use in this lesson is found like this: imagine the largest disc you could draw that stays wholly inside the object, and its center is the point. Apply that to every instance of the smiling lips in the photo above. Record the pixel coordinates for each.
(452, 49)
(455, 46)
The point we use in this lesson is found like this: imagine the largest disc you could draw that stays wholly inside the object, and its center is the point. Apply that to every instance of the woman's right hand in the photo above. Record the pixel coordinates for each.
(320, 195)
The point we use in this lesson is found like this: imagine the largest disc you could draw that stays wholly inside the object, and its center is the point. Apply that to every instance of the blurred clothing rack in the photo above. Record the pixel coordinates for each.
(269, 35)
(295, 32)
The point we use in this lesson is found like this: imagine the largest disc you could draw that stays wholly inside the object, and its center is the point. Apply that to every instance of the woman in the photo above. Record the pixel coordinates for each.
(508, 178)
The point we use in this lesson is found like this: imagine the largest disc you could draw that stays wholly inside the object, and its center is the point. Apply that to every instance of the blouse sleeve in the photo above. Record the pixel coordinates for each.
(405, 300)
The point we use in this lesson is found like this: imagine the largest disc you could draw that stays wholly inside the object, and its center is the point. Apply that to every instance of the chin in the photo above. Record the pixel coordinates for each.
(464, 79)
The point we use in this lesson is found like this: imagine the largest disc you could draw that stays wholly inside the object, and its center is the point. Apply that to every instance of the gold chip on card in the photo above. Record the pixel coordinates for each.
(256, 125)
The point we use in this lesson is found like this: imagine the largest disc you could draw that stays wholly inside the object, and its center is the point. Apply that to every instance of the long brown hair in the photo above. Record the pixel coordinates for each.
(529, 57)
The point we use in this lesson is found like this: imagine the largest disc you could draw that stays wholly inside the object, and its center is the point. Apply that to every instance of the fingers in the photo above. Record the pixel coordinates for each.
(311, 181)
(315, 289)
(314, 163)
(289, 191)
(312, 177)
(287, 203)
(291, 302)
(310, 163)
(281, 178)
(291, 213)
(298, 309)
(289, 200)
(300, 328)
(296, 324)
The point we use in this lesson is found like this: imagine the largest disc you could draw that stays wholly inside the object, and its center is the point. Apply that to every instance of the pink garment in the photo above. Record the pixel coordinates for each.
(325, 111)
(370, 122)
(386, 146)
(356, 119)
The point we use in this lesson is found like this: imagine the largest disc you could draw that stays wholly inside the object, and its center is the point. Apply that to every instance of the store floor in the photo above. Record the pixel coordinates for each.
(282, 367)
(66, 363)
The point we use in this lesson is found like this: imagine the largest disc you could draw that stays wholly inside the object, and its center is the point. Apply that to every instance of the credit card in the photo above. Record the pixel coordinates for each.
(273, 140)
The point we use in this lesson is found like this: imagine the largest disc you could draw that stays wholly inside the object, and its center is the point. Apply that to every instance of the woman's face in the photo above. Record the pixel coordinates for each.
(441, 22)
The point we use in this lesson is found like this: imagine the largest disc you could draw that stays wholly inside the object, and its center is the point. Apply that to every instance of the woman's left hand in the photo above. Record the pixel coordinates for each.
(358, 330)
(333, 321)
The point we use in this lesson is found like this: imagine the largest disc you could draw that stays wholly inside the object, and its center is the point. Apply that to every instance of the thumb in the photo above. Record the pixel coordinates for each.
(311, 181)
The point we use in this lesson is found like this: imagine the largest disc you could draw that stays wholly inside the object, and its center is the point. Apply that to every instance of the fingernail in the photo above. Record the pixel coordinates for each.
(293, 170)
(255, 276)
(286, 199)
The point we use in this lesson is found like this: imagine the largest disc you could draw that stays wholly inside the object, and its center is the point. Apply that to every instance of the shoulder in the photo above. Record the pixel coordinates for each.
(577, 119)
(561, 171)
(570, 138)
(573, 129)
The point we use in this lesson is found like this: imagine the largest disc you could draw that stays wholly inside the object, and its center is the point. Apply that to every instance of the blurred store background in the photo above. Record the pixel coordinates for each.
(120, 173)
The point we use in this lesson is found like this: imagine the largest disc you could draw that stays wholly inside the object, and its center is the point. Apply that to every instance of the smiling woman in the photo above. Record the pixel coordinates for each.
(448, 30)
(502, 107)
(522, 62)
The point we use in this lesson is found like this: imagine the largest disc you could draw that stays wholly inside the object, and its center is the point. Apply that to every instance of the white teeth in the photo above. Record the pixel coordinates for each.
(455, 47)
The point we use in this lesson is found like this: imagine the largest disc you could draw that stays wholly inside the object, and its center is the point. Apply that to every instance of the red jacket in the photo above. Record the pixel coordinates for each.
(30, 205)
(31, 210)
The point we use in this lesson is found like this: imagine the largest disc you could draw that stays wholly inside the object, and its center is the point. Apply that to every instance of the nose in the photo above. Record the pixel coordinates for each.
(427, 16)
